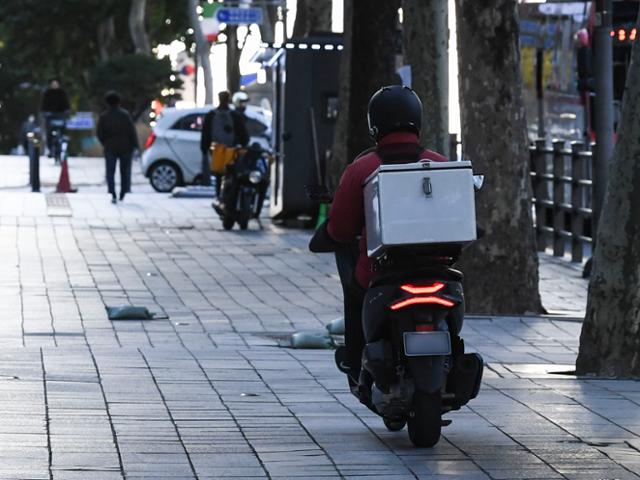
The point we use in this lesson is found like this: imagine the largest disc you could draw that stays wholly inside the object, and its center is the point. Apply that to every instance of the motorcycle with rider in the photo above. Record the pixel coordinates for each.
(244, 187)
(398, 222)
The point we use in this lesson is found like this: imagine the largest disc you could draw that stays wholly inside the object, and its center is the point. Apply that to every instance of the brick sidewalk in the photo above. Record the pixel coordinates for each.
(209, 393)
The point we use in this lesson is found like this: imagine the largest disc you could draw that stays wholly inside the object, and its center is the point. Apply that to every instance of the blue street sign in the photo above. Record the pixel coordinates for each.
(80, 121)
(239, 16)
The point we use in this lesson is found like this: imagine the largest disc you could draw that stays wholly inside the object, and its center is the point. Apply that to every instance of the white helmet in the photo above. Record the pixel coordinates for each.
(239, 97)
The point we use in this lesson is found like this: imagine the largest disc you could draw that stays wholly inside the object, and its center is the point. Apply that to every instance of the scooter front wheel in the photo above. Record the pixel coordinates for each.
(227, 223)
(425, 422)
(394, 425)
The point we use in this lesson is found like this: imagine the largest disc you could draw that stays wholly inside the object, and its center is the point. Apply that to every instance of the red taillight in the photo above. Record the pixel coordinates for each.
(422, 301)
(425, 328)
(150, 139)
(421, 290)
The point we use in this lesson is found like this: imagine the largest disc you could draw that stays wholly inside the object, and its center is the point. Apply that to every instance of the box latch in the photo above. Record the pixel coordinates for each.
(426, 186)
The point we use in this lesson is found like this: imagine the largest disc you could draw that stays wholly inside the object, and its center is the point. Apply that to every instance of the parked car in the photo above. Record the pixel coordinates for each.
(172, 152)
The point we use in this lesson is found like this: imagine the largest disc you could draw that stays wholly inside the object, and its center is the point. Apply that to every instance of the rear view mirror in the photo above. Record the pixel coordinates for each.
(478, 182)
(318, 193)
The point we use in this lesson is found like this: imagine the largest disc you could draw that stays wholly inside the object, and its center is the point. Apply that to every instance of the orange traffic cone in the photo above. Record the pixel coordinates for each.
(64, 183)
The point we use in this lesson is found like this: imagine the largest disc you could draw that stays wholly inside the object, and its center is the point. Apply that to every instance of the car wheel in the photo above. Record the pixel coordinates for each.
(165, 176)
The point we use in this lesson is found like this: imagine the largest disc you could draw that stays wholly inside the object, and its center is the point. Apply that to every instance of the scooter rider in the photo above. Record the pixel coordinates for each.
(221, 125)
(240, 101)
(55, 106)
(394, 118)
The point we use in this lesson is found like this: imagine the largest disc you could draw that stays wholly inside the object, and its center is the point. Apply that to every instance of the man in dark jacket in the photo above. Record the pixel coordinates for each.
(55, 106)
(118, 136)
(221, 125)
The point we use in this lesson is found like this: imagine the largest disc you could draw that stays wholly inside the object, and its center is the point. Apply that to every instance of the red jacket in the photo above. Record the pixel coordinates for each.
(346, 216)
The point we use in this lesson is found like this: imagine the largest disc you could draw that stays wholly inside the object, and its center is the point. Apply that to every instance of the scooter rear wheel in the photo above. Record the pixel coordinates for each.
(425, 422)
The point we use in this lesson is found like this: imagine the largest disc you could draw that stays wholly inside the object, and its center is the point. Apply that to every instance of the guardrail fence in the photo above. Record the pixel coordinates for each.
(562, 190)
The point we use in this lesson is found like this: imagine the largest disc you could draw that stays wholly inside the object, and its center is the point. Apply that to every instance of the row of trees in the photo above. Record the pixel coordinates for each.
(92, 46)
(501, 269)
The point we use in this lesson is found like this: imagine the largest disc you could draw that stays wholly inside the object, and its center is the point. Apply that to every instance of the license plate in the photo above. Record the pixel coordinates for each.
(426, 343)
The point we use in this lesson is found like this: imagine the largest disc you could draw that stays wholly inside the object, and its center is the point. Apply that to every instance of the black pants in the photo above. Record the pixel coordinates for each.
(205, 179)
(353, 331)
(50, 117)
(353, 294)
(125, 171)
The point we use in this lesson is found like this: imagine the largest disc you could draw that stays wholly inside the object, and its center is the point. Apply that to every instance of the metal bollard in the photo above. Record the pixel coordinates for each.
(577, 214)
(34, 140)
(558, 197)
(540, 191)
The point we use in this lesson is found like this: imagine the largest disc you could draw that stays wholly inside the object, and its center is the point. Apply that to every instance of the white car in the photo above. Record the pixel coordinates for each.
(172, 154)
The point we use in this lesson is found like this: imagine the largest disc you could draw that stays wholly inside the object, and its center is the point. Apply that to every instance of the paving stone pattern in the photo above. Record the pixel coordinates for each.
(209, 392)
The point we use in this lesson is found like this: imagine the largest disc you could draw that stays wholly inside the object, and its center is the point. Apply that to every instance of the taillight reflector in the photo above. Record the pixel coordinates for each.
(150, 139)
(421, 290)
(422, 301)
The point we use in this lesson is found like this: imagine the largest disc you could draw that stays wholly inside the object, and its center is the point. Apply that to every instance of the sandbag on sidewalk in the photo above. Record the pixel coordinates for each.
(312, 340)
(130, 312)
(336, 327)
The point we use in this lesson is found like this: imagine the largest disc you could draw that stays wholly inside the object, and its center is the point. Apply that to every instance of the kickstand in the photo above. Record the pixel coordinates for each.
(259, 223)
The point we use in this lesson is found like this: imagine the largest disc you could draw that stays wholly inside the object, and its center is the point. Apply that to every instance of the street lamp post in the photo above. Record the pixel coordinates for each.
(603, 105)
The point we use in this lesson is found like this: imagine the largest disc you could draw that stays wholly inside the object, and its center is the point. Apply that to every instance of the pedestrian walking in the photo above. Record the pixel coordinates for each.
(221, 125)
(118, 137)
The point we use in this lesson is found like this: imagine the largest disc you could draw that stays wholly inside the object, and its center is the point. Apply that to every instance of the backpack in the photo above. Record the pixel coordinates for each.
(222, 127)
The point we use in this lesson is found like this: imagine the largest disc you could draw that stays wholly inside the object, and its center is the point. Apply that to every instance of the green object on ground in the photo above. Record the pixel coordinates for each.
(322, 214)
(336, 327)
(321, 340)
(129, 312)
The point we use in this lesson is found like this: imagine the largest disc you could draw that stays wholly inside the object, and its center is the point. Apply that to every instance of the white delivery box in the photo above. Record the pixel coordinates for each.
(421, 203)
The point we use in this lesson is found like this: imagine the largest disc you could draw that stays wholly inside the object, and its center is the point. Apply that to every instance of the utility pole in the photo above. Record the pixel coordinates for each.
(542, 35)
(603, 106)
(203, 50)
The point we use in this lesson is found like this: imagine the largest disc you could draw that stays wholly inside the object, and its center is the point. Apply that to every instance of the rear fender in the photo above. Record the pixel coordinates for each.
(428, 373)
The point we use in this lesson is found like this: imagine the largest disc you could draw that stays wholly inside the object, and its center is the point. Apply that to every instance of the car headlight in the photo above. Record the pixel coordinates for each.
(255, 176)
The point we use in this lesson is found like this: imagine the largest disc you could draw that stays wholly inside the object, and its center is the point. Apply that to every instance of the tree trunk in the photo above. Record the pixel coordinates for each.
(137, 27)
(368, 63)
(426, 41)
(501, 269)
(202, 51)
(312, 16)
(268, 26)
(610, 339)
(233, 59)
(106, 34)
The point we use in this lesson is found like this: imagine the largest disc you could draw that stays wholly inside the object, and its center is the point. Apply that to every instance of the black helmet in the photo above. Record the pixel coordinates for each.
(393, 108)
